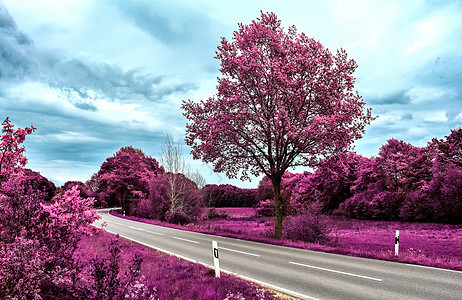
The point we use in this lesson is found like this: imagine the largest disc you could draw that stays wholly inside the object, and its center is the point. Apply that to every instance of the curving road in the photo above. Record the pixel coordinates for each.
(301, 273)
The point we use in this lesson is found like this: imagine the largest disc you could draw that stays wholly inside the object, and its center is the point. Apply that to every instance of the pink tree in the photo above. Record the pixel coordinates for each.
(11, 154)
(124, 177)
(284, 101)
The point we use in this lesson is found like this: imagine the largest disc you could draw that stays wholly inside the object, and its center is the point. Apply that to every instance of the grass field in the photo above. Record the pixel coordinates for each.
(428, 244)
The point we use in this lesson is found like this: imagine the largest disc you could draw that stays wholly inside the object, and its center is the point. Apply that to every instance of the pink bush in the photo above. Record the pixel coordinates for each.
(265, 208)
(308, 226)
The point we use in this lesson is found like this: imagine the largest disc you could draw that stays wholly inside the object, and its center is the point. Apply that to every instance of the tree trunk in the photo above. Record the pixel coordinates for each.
(279, 206)
(124, 202)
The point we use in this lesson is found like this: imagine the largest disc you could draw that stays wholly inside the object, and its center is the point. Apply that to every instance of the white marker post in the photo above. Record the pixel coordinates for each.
(396, 242)
(216, 261)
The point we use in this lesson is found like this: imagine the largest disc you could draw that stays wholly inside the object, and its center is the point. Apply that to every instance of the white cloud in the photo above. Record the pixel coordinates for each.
(72, 137)
(439, 116)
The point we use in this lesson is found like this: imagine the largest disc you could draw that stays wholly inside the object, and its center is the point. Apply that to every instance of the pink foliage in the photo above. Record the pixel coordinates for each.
(284, 101)
(41, 237)
(226, 195)
(157, 203)
(11, 154)
(124, 177)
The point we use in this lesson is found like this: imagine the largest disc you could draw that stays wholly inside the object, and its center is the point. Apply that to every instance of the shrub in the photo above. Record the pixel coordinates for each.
(213, 213)
(265, 208)
(177, 217)
(307, 227)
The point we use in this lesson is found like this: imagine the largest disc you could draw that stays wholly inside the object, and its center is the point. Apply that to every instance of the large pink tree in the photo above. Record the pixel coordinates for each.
(284, 101)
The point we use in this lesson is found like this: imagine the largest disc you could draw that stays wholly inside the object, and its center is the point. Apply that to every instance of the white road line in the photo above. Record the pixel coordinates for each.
(153, 232)
(271, 286)
(335, 271)
(433, 268)
(237, 251)
(185, 240)
(136, 228)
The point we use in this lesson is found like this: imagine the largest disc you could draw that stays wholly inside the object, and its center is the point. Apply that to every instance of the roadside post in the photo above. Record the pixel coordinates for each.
(396, 242)
(216, 261)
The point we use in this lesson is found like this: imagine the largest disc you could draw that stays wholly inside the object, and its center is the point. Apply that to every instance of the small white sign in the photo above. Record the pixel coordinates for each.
(396, 242)
(216, 261)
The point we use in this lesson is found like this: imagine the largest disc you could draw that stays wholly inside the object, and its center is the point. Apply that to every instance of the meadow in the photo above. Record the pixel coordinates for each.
(427, 244)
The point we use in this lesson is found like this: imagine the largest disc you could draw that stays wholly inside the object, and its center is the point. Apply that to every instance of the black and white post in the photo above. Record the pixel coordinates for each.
(396, 242)
(216, 261)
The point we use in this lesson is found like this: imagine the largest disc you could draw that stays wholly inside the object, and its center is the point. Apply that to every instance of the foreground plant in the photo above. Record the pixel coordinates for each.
(11, 153)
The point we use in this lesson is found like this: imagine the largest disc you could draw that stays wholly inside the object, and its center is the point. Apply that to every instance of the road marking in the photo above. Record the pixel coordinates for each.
(185, 240)
(136, 228)
(439, 269)
(153, 232)
(237, 251)
(335, 271)
(269, 285)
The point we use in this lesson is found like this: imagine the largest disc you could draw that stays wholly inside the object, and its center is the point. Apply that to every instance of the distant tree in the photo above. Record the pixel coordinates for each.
(124, 177)
(84, 191)
(385, 182)
(450, 148)
(182, 187)
(265, 189)
(227, 195)
(284, 101)
(438, 197)
(11, 154)
(188, 200)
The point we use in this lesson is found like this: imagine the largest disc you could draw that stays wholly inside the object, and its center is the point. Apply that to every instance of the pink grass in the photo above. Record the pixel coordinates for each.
(172, 277)
(238, 212)
(427, 244)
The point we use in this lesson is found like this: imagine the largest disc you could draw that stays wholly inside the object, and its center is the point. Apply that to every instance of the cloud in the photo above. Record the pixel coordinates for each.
(82, 82)
(400, 97)
(15, 49)
(73, 137)
(439, 116)
(107, 81)
(407, 116)
(186, 31)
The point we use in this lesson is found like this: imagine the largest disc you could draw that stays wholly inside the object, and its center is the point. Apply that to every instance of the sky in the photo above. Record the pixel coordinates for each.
(96, 75)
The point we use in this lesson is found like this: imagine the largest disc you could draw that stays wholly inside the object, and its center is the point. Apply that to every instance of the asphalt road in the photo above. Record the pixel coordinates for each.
(301, 273)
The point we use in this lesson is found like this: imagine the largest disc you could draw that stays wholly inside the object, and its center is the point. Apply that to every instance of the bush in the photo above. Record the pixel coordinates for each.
(177, 217)
(265, 208)
(212, 213)
(307, 227)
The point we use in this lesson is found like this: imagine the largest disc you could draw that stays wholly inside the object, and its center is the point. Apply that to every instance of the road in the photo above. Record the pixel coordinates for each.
(301, 273)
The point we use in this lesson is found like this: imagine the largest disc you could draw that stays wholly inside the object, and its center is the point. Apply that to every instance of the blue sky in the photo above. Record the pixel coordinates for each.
(94, 76)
